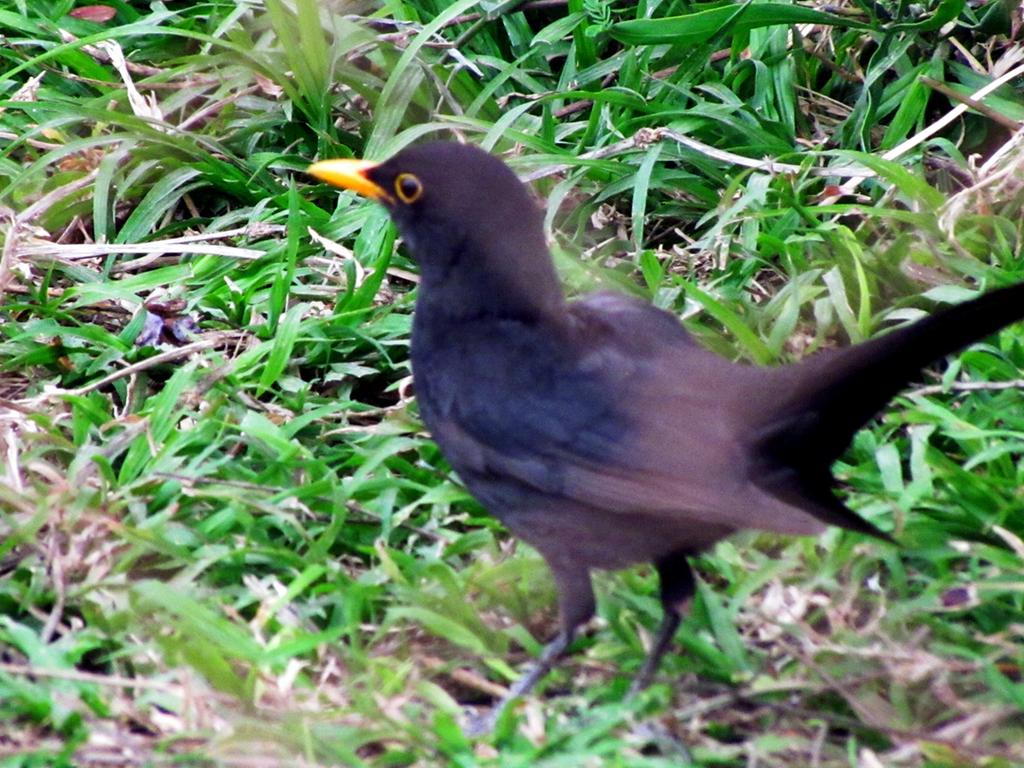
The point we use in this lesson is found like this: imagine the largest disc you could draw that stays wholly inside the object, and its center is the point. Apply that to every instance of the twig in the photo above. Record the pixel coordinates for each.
(1001, 169)
(9, 445)
(351, 506)
(121, 756)
(41, 205)
(647, 136)
(380, 24)
(967, 386)
(211, 340)
(9, 253)
(467, 678)
(954, 734)
(953, 114)
(817, 743)
(93, 250)
(193, 82)
(59, 589)
(950, 735)
(772, 166)
(31, 142)
(114, 681)
(829, 64)
(992, 114)
(216, 106)
(183, 244)
(509, 6)
(932, 128)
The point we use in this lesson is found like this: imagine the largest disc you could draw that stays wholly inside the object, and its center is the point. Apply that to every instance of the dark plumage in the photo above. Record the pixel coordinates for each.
(598, 430)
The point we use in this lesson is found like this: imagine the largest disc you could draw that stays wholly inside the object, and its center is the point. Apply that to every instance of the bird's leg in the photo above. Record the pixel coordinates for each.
(576, 601)
(576, 604)
(551, 653)
(478, 725)
(677, 586)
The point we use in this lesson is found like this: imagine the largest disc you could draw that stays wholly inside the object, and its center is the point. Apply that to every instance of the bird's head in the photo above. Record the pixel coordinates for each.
(464, 215)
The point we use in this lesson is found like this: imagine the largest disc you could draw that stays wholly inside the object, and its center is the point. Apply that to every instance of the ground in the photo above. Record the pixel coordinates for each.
(225, 538)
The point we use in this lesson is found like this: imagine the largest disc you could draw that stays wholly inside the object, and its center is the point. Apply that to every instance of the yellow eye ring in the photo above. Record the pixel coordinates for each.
(408, 188)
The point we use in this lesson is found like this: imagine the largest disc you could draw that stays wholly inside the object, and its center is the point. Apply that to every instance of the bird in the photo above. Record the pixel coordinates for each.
(599, 430)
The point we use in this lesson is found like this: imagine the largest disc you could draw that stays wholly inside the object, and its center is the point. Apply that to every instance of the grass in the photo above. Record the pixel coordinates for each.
(242, 549)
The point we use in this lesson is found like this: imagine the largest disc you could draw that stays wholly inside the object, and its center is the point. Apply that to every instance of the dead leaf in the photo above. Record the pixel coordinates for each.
(97, 13)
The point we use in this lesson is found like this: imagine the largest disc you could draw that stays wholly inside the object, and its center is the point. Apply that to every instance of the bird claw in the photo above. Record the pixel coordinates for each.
(479, 724)
(667, 743)
(648, 735)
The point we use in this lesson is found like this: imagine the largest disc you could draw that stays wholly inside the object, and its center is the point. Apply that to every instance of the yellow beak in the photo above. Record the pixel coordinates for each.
(349, 174)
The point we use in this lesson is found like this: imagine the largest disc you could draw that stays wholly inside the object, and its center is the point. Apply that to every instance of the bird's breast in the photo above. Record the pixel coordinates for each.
(505, 395)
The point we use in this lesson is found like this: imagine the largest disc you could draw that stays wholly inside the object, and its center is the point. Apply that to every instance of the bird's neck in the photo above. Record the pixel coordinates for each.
(514, 286)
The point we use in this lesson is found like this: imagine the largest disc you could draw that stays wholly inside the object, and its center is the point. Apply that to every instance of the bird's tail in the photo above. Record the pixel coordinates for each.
(822, 402)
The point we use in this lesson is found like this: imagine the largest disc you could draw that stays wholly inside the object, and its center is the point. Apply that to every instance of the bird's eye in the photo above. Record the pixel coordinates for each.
(408, 188)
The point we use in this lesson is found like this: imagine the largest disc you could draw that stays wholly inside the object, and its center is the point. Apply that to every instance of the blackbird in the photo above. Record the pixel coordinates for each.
(599, 430)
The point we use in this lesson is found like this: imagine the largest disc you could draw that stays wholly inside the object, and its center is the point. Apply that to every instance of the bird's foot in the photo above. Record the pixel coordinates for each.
(652, 734)
(479, 724)
(662, 640)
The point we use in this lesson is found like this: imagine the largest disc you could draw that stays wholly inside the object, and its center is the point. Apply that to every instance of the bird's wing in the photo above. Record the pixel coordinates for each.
(770, 435)
(638, 419)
